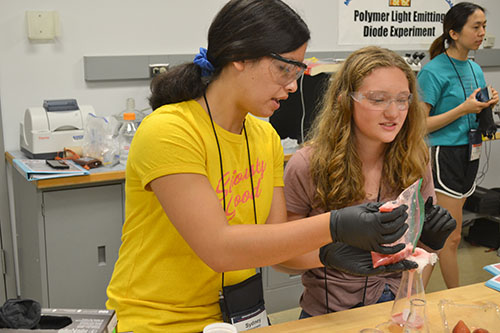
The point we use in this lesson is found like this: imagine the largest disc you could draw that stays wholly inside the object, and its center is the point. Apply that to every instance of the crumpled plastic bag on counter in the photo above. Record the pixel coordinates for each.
(99, 139)
(290, 146)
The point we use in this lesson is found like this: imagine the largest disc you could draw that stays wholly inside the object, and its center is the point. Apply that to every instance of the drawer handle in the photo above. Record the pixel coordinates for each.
(101, 255)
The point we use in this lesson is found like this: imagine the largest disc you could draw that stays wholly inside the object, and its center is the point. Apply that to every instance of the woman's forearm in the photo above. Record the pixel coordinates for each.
(439, 121)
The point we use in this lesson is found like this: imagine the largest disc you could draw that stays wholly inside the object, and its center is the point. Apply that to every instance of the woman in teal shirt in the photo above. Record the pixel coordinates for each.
(449, 84)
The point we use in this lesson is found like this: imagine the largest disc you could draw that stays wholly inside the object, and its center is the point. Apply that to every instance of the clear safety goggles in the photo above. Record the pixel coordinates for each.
(380, 100)
(284, 71)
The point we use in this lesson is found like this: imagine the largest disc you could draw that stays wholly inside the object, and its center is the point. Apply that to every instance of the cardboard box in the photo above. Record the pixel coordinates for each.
(84, 321)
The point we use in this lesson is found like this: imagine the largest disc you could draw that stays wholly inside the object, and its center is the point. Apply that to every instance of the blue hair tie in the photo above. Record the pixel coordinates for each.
(201, 61)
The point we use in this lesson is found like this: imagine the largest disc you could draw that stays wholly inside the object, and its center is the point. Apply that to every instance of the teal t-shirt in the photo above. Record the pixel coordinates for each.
(441, 88)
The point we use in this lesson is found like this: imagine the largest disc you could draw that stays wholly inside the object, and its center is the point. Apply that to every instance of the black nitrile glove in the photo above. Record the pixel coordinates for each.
(351, 260)
(438, 225)
(364, 227)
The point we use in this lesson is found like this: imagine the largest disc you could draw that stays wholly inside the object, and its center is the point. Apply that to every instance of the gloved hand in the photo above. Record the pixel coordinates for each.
(349, 259)
(438, 225)
(364, 227)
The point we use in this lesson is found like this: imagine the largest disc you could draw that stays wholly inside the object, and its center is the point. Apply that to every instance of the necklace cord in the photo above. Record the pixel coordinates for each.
(461, 83)
(222, 168)
(325, 270)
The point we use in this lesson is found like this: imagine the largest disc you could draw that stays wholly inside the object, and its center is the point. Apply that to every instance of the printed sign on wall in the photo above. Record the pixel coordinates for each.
(391, 21)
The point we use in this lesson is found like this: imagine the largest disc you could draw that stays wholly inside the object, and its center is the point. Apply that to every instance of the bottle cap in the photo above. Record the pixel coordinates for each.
(129, 116)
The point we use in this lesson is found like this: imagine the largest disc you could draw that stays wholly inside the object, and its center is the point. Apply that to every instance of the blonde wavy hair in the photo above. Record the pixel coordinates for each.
(335, 166)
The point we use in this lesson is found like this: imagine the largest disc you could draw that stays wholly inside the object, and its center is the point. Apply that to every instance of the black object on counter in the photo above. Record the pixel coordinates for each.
(20, 313)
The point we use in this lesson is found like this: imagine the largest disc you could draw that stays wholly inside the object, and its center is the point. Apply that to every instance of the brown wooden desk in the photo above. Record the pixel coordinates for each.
(97, 176)
(370, 316)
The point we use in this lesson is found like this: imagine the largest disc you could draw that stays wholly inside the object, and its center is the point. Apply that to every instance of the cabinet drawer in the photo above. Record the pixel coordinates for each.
(82, 239)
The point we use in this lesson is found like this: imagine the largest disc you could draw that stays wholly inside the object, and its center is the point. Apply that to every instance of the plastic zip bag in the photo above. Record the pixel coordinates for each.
(99, 142)
(416, 213)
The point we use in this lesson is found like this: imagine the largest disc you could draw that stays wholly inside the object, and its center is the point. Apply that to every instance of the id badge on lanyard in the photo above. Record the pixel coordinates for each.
(242, 304)
(475, 143)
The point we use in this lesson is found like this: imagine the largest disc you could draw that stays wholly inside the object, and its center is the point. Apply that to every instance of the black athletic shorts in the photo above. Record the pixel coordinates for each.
(453, 173)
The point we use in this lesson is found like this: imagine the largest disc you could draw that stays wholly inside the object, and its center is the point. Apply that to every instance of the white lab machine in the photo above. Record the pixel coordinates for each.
(49, 128)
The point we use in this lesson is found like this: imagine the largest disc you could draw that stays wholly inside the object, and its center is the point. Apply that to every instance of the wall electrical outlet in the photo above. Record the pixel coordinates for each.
(489, 41)
(157, 69)
(496, 111)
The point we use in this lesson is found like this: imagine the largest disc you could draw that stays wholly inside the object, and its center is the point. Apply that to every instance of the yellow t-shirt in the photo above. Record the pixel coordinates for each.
(159, 284)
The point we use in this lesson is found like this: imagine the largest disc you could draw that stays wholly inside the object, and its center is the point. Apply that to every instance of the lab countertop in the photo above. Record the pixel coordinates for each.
(370, 316)
(101, 174)
(97, 175)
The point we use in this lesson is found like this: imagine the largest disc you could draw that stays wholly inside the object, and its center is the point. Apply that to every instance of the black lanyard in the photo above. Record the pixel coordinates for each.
(222, 169)
(362, 303)
(460, 79)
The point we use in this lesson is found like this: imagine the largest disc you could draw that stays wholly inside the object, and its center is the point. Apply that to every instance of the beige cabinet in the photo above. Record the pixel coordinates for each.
(68, 240)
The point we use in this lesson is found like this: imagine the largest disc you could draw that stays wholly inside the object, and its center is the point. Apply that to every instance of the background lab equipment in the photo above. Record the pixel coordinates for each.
(296, 114)
(49, 128)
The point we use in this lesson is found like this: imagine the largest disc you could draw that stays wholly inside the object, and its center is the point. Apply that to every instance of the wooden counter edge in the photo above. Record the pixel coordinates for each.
(9, 157)
(79, 180)
(98, 177)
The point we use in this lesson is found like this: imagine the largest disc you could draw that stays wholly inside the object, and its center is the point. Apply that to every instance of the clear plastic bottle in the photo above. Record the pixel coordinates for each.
(126, 135)
(130, 108)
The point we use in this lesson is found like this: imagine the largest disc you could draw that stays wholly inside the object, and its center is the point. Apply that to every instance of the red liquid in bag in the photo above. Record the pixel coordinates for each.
(389, 206)
(379, 259)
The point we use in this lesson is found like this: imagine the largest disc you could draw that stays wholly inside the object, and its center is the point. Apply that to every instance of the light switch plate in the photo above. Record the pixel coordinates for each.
(42, 25)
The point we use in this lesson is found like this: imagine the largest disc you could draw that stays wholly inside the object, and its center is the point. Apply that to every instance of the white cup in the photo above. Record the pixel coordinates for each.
(220, 328)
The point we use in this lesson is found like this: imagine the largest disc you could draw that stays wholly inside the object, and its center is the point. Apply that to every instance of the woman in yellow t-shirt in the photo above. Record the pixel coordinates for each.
(204, 183)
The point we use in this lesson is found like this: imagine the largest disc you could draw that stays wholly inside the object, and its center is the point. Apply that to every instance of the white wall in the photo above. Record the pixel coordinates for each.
(31, 72)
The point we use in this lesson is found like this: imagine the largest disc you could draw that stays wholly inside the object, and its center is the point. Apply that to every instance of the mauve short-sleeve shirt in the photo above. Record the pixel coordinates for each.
(344, 290)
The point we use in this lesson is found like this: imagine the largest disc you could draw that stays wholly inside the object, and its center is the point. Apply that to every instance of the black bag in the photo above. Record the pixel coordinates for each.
(487, 125)
(484, 232)
(484, 201)
(243, 305)
(20, 313)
